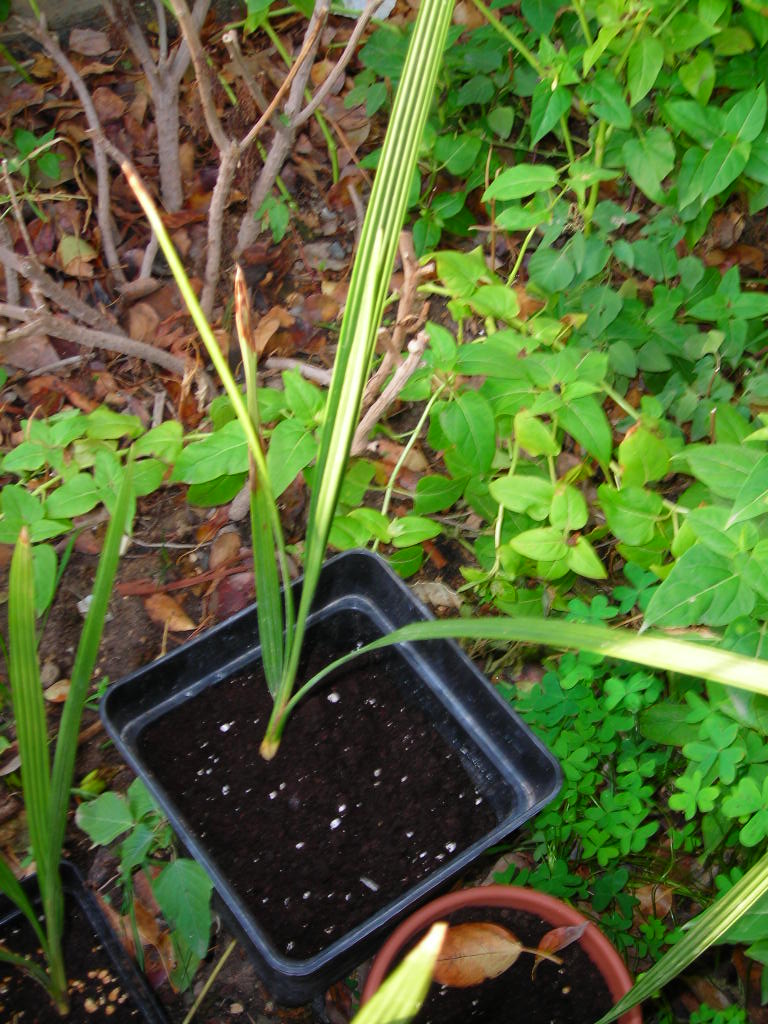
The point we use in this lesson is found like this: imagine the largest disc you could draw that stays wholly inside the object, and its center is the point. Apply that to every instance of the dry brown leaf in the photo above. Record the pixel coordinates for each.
(88, 42)
(276, 318)
(557, 939)
(466, 14)
(57, 693)
(143, 322)
(109, 106)
(475, 952)
(224, 549)
(654, 900)
(167, 612)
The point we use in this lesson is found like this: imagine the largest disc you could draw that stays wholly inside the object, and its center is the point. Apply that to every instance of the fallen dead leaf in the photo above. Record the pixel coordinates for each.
(654, 900)
(59, 692)
(109, 106)
(224, 549)
(167, 612)
(437, 594)
(89, 42)
(475, 952)
(557, 939)
(276, 318)
(143, 321)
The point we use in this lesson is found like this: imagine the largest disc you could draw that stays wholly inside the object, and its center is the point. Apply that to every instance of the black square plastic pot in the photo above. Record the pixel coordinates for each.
(124, 982)
(183, 703)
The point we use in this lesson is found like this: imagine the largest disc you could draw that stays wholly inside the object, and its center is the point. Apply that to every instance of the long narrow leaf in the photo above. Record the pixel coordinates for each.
(655, 652)
(10, 885)
(29, 709)
(269, 606)
(27, 965)
(365, 303)
(85, 660)
(403, 992)
(704, 932)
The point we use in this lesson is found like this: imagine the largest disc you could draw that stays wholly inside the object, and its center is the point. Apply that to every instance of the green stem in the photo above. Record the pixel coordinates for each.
(579, 9)
(520, 256)
(567, 139)
(406, 452)
(514, 40)
(621, 402)
(589, 209)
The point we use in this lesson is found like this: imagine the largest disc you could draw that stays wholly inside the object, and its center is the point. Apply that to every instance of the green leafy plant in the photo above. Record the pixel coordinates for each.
(46, 787)
(180, 886)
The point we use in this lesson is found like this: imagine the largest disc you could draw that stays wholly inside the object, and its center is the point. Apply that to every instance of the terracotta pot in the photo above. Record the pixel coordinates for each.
(511, 897)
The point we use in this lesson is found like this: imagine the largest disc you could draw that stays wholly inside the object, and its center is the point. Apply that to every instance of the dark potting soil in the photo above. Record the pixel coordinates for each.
(95, 991)
(571, 993)
(364, 798)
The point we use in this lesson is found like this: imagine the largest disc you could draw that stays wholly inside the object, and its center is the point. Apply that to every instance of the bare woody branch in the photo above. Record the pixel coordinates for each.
(39, 31)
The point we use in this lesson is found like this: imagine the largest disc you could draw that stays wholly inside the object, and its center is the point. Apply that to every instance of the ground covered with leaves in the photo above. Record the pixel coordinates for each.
(573, 418)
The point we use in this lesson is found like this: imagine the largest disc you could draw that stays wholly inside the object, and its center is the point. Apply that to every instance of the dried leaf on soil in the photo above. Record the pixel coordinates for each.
(557, 939)
(59, 692)
(167, 612)
(475, 952)
(88, 42)
(224, 549)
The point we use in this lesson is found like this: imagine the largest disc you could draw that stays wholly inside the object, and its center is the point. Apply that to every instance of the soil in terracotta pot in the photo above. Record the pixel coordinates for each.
(95, 992)
(571, 993)
(364, 798)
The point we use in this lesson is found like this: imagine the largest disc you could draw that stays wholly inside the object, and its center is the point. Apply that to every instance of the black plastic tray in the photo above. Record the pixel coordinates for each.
(508, 764)
(132, 981)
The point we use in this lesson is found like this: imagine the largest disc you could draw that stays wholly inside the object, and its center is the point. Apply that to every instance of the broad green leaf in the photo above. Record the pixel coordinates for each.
(551, 270)
(540, 14)
(469, 424)
(77, 496)
(135, 848)
(569, 509)
(27, 457)
(163, 441)
(531, 495)
(477, 90)
(752, 497)
(105, 424)
(631, 513)
(522, 180)
(701, 588)
(497, 301)
(582, 558)
(548, 105)
(543, 544)
(411, 530)
(224, 451)
(592, 54)
(746, 117)
(534, 436)
(147, 476)
(757, 165)
(291, 448)
(721, 166)
(457, 153)
(348, 532)
(461, 272)
(218, 491)
(645, 60)
(105, 818)
(722, 468)
(183, 891)
(698, 76)
(436, 494)
(703, 124)
(586, 422)
(733, 40)
(376, 522)
(686, 31)
(649, 159)
(304, 399)
(604, 96)
(520, 218)
(643, 457)
(500, 120)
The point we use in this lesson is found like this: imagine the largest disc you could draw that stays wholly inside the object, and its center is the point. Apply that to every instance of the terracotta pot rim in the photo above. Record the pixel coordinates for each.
(595, 944)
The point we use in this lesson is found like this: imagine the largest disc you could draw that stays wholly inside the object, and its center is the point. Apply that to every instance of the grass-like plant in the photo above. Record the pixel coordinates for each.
(45, 787)
(281, 626)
